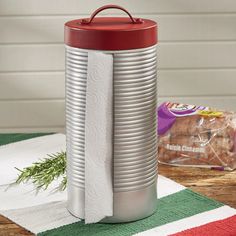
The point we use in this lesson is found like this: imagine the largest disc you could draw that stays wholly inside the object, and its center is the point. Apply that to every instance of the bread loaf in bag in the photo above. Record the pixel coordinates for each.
(196, 136)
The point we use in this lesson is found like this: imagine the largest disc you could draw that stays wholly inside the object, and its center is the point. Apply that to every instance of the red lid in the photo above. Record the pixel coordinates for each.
(111, 33)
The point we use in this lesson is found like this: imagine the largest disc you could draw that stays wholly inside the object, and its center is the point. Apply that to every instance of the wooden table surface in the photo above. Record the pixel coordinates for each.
(217, 185)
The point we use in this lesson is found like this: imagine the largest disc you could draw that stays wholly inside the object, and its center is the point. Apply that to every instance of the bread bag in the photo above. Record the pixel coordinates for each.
(196, 136)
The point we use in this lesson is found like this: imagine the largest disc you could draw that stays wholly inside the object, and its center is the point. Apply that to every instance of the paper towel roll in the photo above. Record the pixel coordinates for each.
(98, 137)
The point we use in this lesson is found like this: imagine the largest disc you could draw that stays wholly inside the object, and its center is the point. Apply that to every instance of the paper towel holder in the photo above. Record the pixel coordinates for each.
(132, 43)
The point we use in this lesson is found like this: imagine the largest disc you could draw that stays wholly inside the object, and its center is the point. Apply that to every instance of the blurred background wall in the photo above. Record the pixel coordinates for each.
(196, 53)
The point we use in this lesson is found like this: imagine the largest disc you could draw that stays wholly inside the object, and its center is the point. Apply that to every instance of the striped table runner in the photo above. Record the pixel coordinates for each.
(180, 211)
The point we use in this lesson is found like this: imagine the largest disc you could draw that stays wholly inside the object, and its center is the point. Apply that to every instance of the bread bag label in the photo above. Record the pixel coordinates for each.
(168, 112)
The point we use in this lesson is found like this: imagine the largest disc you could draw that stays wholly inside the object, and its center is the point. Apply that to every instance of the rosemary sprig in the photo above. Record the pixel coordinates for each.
(63, 183)
(42, 173)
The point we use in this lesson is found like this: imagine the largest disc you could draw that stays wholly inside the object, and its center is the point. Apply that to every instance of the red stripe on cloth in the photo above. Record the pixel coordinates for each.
(226, 227)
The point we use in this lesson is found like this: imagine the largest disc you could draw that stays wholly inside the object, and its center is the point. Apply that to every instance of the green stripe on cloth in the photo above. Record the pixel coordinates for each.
(12, 138)
(170, 208)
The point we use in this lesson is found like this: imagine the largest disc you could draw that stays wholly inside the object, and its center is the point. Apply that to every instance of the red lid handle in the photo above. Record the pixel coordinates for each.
(133, 20)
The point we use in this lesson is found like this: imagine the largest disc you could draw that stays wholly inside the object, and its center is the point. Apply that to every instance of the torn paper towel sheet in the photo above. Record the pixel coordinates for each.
(98, 137)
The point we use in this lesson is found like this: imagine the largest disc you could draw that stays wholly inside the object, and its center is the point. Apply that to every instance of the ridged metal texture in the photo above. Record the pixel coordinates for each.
(135, 141)
(76, 74)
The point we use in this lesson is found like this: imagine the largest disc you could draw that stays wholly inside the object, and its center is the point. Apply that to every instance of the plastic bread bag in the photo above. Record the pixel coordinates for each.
(196, 136)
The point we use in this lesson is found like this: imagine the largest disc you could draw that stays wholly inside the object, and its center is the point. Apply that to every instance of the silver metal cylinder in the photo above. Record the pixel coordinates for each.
(134, 131)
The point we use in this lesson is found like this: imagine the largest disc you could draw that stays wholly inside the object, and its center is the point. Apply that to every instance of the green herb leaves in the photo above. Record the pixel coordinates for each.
(42, 173)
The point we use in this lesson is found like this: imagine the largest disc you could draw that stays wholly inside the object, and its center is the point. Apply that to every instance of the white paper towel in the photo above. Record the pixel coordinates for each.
(98, 137)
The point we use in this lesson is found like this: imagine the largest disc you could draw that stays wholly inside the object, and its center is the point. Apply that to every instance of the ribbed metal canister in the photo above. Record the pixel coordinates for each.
(135, 140)
(132, 43)
(134, 131)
